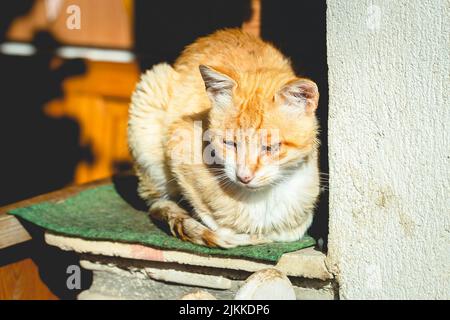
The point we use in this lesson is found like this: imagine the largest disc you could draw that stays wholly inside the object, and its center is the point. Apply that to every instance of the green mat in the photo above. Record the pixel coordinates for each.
(102, 214)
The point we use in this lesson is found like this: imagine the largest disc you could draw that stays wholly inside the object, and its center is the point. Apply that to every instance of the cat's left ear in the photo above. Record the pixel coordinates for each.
(300, 94)
(219, 86)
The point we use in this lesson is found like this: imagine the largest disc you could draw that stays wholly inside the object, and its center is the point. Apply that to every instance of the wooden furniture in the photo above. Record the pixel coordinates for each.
(21, 281)
(98, 101)
(103, 23)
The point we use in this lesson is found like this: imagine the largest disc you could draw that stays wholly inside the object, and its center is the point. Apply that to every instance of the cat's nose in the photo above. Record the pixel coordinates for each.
(245, 177)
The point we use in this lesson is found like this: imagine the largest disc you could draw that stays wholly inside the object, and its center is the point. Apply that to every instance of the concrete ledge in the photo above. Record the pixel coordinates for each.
(166, 275)
(306, 263)
(119, 278)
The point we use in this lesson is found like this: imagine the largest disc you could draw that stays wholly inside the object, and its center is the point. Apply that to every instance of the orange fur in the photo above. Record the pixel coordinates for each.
(252, 89)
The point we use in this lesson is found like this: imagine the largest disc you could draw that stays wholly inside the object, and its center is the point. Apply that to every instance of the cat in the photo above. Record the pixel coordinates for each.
(263, 182)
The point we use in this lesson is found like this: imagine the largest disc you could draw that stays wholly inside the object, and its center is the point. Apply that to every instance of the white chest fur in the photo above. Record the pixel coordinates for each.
(281, 207)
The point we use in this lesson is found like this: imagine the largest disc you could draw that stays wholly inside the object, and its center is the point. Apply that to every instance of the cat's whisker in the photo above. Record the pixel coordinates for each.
(171, 180)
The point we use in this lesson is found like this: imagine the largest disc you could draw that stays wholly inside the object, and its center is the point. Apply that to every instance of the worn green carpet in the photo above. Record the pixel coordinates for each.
(101, 214)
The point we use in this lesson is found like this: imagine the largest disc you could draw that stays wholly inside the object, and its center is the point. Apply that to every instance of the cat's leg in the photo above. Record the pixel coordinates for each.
(187, 228)
(239, 239)
(181, 224)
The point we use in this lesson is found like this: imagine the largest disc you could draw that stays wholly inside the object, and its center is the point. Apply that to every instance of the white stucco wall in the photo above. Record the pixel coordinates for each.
(389, 147)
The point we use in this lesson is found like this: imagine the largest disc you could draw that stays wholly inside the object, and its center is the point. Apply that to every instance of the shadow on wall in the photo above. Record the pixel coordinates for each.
(39, 153)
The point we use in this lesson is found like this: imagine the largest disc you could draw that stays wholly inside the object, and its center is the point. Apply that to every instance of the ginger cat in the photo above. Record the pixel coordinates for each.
(225, 143)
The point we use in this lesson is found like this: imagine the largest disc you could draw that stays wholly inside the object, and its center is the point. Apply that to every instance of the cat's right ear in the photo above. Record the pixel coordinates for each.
(219, 86)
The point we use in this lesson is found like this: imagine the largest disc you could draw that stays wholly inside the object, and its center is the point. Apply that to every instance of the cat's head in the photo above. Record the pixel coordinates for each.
(263, 124)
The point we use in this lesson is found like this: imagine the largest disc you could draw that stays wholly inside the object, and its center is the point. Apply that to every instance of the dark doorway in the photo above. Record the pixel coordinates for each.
(298, 28)
(164, 28)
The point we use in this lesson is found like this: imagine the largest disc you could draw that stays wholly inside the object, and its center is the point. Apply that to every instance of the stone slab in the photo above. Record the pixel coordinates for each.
(307, 263)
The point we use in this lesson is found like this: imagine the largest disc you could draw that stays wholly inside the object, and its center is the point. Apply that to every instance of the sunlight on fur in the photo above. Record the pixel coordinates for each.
(231, 131)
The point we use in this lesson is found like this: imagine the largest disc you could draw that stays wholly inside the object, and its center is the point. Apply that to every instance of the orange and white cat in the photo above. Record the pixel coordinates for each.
(231, 131)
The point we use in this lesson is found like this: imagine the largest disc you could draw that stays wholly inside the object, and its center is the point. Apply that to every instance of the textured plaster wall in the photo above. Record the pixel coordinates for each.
(389, 147)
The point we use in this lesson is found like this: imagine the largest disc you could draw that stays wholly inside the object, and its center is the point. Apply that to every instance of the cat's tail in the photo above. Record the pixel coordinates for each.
(185, 227)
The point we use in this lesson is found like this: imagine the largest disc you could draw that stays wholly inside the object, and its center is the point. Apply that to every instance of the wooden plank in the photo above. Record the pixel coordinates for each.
(11, 231)
(108, 79)
(98, 100)
(21, 281)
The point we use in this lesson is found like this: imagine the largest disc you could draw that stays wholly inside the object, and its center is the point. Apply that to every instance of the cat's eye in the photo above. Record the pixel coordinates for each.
(272, 148)
(229, 143)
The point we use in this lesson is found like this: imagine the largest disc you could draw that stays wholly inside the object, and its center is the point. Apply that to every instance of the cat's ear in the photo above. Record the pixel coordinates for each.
(299, 94)
(219, 86)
